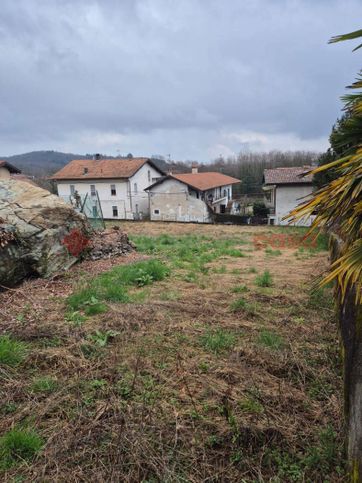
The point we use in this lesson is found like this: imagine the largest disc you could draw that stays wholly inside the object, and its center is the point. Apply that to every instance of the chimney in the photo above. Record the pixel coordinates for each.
(194, 168)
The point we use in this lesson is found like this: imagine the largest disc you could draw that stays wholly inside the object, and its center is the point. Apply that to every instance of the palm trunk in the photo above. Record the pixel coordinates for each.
(350, 324)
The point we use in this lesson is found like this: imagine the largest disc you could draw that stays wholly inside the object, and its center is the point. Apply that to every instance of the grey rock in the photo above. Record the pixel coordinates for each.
(39, 221)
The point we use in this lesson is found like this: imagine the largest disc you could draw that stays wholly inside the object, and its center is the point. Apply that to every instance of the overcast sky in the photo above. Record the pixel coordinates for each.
(189, 78)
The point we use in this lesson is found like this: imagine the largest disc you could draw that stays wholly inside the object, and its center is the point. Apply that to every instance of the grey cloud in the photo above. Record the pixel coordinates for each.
(171, 75)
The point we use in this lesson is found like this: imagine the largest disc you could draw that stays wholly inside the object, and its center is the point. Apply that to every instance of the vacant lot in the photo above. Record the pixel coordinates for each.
(202, 357)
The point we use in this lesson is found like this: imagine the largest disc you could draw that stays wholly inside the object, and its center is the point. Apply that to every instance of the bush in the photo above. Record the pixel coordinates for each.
(259, 209)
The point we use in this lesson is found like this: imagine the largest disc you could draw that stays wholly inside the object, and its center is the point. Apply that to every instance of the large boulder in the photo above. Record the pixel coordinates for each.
(39, 233)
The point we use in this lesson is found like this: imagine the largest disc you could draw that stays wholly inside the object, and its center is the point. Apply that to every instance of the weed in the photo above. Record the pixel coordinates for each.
(233, 252)
(12, 352)
(264, 280)
(251, 405)
(238, 305)
(18, 445)
(252, 270)
(75, 318)
(217, 341)
(271, 340)
(240, 289)
(204, 367)
(9, 408)
(272, 253)
(235, 271)
(44, 385)
(102, 338)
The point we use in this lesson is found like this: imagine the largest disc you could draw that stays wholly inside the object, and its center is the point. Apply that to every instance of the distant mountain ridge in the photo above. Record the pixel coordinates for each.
(41, 163)
(44, 163)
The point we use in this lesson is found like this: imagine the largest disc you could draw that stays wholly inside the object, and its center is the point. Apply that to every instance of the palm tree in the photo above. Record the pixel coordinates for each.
(338, 208)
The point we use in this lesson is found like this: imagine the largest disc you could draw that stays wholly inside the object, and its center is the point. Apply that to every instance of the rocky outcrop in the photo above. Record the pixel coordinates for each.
(33, 226)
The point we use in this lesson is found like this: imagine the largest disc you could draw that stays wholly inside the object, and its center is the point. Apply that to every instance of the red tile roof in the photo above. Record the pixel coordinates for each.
(102, 168)
(292, 175)
(205, 181)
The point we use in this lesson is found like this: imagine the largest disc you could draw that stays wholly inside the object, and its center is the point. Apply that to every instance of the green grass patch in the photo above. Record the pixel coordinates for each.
(218, 341)
(12, 351)
(270, 339)
(272, 253)
(45, 385)
(240, 289)
(113, 286)
(18, 445)
(264, 280)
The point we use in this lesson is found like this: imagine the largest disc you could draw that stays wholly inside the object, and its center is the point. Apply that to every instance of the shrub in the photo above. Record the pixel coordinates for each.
(12, 352)
(259, 209)
(264, 280)
(17, 445)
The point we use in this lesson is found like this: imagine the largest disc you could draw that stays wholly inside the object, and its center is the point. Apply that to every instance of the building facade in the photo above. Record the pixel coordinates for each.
(284, 189)
(118, 184)
(190, 197)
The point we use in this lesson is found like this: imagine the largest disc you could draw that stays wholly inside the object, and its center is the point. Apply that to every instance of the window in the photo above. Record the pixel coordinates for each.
(93, 191)
(222, 208)
(156, 212)
(85, 170)
(72, 190)
(225, 193)
(149, 176)
(94, 211)
(135, 187)
(115, 211)
(113, 190)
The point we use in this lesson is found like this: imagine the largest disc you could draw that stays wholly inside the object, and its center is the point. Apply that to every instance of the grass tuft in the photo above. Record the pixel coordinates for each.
(271, 340)
(217, 341)
(12, 352)
(18, 445)
(264, 280)
(44, 385)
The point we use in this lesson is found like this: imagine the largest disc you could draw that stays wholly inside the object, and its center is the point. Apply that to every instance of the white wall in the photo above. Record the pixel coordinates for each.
(144, 177)
(174, 203)
(286, 199)
(4, 173)
(127, 200)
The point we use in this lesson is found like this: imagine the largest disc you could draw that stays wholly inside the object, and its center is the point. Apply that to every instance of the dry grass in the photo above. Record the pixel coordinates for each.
(184, 388)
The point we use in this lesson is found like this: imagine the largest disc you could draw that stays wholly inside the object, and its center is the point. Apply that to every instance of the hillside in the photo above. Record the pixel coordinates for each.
(41, 163)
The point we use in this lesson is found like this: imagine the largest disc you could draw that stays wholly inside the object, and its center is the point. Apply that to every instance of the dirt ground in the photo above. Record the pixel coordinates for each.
(189, 384)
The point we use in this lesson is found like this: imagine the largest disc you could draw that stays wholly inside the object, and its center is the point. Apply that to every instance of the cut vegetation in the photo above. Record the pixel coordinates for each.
(186, 362)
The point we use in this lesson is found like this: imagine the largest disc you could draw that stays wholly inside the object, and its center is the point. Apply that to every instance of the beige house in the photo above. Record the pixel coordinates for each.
(190, 197)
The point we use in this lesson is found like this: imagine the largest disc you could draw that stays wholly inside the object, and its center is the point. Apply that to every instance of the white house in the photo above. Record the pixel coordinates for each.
(7, 170)
(118, 183)
(284, 189)
(190, 197)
